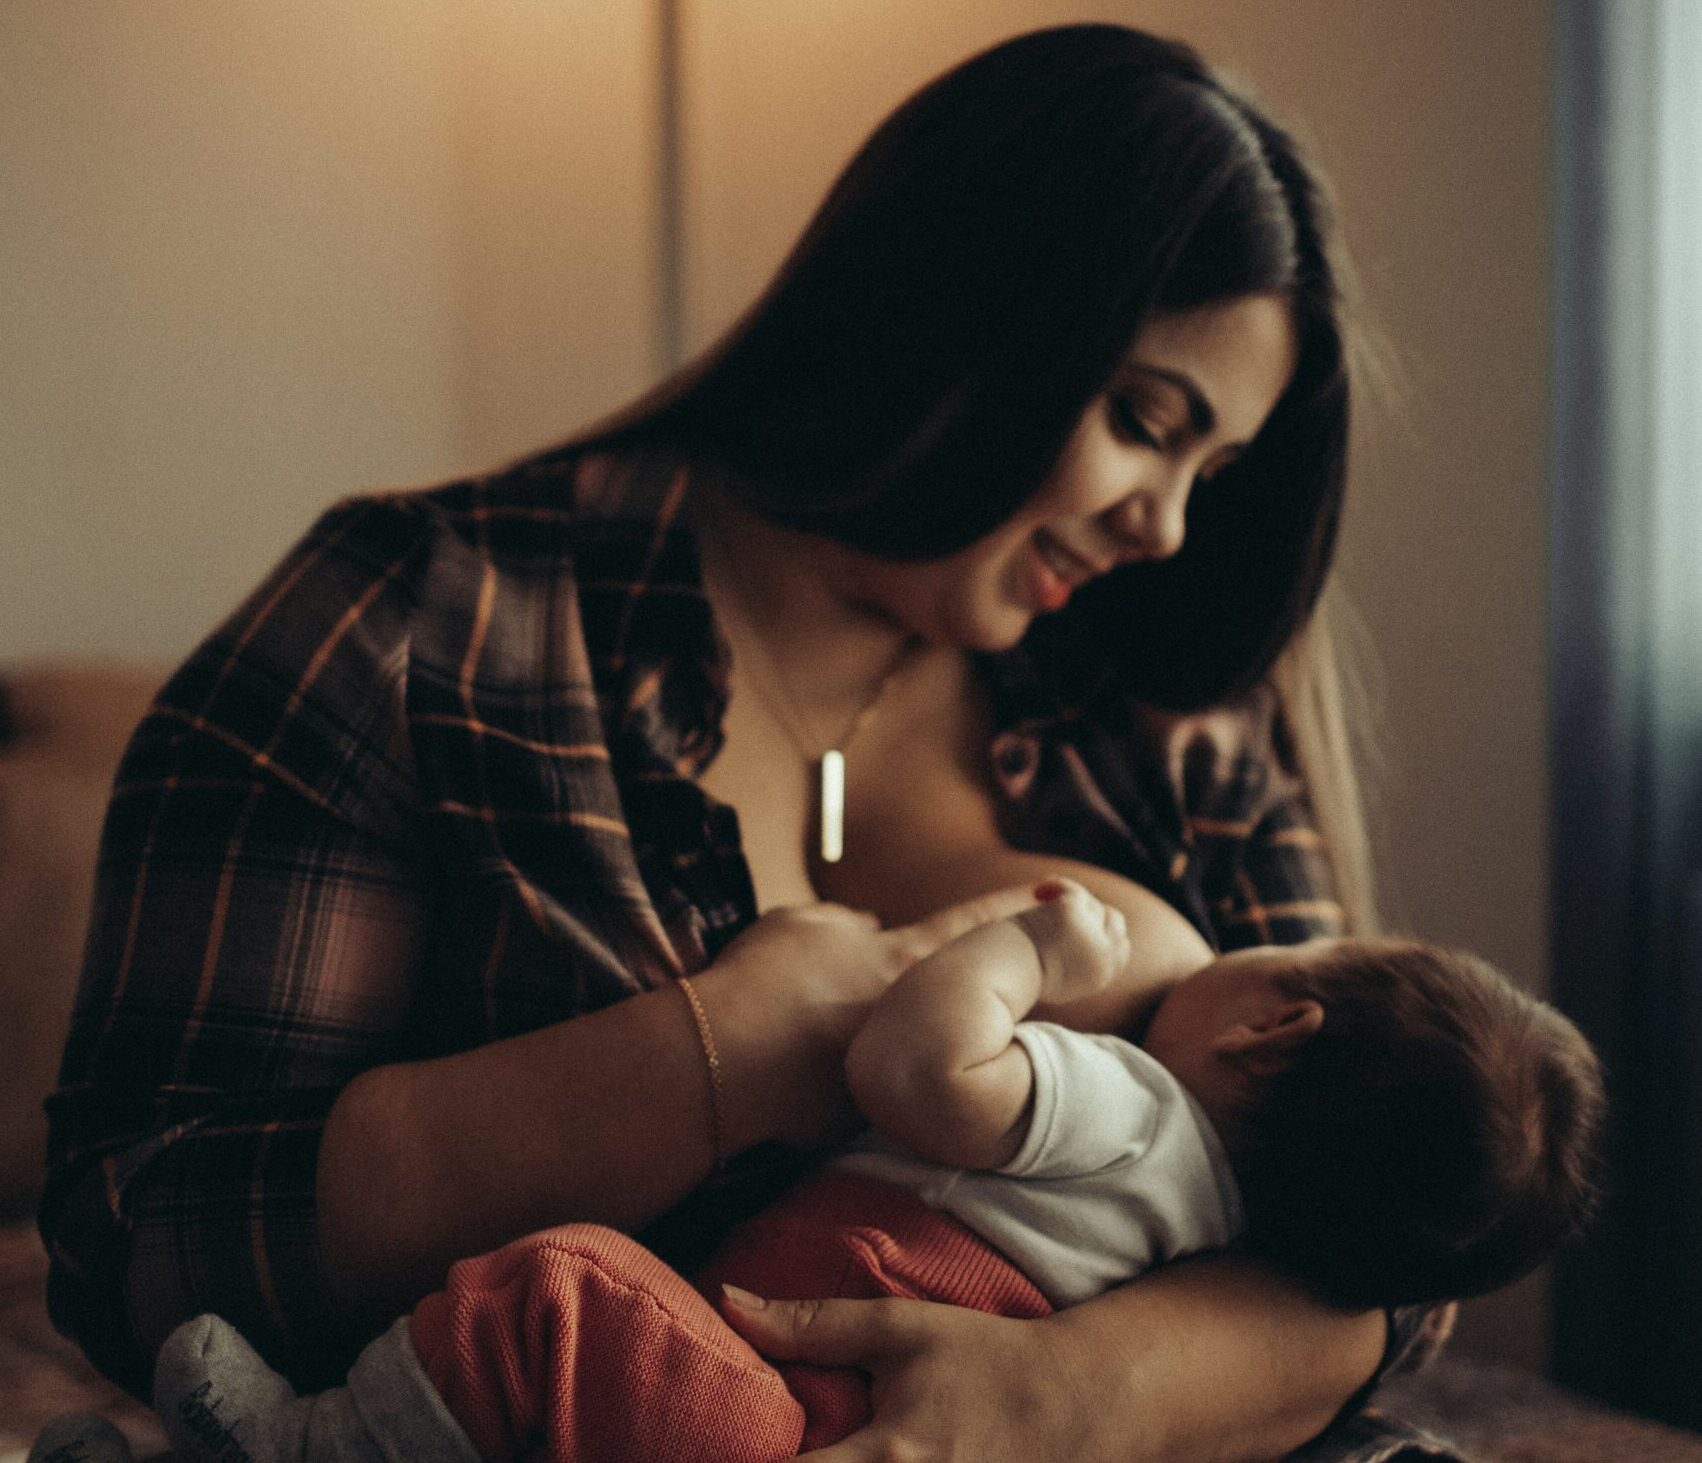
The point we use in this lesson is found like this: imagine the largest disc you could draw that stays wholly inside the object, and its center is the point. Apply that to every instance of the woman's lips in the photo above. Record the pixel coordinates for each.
(1055, 572)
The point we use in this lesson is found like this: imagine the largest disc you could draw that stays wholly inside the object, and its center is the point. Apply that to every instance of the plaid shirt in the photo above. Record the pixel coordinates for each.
(433, 785)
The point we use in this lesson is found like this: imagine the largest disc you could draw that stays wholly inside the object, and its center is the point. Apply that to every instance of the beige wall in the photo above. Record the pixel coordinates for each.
(1431, 116)
(254, 257)
(554, 107)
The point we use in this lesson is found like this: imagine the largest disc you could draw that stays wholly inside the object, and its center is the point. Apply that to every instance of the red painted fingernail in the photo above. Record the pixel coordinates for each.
(743, 1299)
(1048, 891)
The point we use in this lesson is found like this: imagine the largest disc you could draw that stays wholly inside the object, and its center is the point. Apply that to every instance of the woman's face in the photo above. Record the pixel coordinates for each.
(1193, 391)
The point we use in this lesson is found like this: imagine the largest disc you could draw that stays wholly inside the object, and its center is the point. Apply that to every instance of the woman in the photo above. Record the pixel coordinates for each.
(1040, 429)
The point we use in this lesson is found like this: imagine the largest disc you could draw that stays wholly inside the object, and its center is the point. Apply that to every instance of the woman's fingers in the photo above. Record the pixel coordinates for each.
(921, 939)
(825, 1332)
(825, 910)
(860, 917)
(946, 1382)
(869, 1445)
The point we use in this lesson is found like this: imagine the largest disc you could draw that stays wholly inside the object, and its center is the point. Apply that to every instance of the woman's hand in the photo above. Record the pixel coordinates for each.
(1209, 1360)
(785, 998)
(949, 1384)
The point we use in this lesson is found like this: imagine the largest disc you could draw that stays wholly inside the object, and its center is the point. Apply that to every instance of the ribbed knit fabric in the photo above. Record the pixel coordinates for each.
(841, 1234)
(577, 1345)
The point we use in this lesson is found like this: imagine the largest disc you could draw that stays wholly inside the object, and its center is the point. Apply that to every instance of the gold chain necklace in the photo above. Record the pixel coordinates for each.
(829, 764)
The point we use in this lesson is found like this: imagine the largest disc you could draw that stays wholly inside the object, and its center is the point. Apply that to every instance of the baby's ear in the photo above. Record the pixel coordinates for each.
(1264, 1047)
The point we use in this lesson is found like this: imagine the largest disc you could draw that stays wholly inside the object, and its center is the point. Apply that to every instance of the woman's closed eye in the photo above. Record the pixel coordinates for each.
(1131, 418)
(1126, 417)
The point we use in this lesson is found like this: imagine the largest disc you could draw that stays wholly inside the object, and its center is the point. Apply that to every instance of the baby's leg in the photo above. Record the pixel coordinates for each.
(575, 1345)
(581, 1338)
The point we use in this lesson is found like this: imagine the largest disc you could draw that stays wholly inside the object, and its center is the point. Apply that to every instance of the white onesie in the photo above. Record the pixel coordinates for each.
(1120, 1170)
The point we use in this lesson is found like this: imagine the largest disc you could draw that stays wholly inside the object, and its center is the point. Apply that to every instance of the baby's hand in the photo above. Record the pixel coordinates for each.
(1083, 943)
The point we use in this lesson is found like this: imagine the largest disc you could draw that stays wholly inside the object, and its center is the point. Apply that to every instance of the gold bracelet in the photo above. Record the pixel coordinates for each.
(717, 1095)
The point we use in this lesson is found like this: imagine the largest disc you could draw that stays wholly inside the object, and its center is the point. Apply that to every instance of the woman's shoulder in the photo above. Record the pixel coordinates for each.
(605, 518)
(421, 545)
(380, 589)
(1236, 750)
(384, 584)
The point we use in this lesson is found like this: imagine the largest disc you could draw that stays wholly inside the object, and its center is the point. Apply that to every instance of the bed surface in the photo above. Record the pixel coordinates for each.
(41, 1373)
(1503, 1415)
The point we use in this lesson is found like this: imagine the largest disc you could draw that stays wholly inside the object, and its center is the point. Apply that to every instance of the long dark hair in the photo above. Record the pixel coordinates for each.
(970, 283)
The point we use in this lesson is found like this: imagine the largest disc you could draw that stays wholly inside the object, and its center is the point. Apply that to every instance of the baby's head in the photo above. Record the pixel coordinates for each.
(1405, 1124)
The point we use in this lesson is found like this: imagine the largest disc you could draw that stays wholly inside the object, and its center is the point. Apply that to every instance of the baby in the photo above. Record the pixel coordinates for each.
(1386, 1121)
(1389, 1122)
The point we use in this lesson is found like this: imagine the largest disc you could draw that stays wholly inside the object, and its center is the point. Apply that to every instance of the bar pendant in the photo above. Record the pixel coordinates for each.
(832, 805)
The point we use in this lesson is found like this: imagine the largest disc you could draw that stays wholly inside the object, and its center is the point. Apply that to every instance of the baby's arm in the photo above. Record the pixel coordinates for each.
(935, 1067)
(1165, 947)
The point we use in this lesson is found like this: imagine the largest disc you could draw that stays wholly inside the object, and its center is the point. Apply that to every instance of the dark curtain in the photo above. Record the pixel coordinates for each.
(1626, 683)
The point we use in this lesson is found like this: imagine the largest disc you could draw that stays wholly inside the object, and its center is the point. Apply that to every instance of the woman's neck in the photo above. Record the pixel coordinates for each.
(796, 594)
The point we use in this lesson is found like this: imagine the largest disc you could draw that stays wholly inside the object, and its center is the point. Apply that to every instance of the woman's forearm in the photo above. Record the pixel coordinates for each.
(609, 1117)
(605, 1119)
(1218, 1360)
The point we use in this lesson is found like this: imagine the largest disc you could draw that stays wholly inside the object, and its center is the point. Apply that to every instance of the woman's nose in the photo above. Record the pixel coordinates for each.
(1151, 522)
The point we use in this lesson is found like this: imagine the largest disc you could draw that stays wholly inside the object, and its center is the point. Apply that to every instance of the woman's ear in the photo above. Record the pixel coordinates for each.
(1264, 1047)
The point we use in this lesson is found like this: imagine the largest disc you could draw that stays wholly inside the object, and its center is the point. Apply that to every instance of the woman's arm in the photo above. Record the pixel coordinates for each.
(423, 1163)
(605, 1118)
(1224, 1358)
(1211, 1360)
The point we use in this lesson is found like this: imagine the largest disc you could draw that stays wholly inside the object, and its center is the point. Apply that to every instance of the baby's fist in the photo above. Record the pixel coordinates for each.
(1083, 943)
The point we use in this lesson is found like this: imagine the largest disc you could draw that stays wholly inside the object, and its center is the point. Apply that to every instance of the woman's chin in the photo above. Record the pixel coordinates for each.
(994, 633)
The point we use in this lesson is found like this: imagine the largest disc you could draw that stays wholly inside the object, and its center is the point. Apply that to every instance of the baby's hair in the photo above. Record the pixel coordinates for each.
(1435, 1139)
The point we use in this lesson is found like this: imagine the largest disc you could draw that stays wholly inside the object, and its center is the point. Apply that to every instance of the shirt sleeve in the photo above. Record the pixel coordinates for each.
(252, 947)
(1264, 871)
(1284, 890)
(1098, 1101)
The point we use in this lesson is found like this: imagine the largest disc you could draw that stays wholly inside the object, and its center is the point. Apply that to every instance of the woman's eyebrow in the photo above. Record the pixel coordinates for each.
(1201, 417)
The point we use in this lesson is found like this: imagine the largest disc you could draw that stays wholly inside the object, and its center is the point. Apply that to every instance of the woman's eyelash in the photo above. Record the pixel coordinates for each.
(1130, 424)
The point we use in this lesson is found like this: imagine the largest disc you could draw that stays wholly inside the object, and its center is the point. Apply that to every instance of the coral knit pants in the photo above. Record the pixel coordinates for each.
(577, 1345)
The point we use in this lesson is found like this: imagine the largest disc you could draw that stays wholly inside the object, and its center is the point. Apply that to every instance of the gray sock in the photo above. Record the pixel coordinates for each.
(222, 1404)
(80, 1437)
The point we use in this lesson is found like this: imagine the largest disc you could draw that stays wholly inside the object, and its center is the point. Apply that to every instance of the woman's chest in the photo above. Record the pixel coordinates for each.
(913, 777)
(762, 774)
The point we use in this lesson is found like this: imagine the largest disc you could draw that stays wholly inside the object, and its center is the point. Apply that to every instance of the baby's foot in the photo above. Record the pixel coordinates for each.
(80, 1437)
(1082, 941)
(221, 1403)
